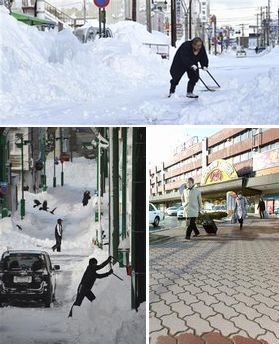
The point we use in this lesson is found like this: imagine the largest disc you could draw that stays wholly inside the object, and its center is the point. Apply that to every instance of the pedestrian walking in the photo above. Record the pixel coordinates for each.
(192, 203)
(86, 198)
(261, 208)
(58, 236)
(240, 209)
(89, 277)
(186, 60)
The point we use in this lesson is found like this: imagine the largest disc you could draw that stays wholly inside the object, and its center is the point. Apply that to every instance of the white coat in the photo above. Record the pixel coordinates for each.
(192, 202)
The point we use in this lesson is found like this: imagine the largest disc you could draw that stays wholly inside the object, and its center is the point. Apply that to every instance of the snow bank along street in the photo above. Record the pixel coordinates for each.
(108, 319)
(49, 77)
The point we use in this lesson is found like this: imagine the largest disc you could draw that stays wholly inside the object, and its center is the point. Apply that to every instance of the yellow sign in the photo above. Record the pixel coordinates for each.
(219, 171)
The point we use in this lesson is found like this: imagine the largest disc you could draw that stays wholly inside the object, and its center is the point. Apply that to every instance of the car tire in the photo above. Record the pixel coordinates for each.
(156, 221)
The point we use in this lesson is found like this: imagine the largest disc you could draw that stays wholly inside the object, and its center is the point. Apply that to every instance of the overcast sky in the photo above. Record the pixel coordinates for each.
(239, 11)
(162, 140)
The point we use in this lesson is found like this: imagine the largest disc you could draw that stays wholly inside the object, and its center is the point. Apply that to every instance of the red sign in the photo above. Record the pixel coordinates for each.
(101, 3)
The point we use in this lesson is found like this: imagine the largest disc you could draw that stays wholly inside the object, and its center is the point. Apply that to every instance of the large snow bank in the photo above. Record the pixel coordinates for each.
(43, 69)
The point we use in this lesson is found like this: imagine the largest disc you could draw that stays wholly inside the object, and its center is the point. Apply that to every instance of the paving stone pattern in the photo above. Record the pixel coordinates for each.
(222, 289)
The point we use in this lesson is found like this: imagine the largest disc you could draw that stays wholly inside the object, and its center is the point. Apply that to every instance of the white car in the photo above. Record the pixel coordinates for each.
(155, 215)
(172, 211)
(180, 213)
(241, 53)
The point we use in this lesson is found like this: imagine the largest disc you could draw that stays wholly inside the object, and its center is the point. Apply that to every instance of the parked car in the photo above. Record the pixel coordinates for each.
(276, 211)
(155, 215)
(172, 211)
(87, 34)
(27, 275)
(241, 53)
(180, 213)
(222, 208)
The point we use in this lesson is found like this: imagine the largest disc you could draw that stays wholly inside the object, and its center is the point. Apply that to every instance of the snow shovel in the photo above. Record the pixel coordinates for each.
(213, 78)
(207, 87)
(128, 267)
(121, 279)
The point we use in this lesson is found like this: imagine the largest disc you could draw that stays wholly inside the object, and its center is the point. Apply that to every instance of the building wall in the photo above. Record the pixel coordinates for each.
(237, 145)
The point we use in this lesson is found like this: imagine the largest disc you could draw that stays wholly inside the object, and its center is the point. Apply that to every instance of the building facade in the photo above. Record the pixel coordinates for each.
(233, 159)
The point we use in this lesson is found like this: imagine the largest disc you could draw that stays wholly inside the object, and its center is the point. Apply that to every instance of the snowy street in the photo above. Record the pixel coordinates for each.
(106, 320)
(50, 77)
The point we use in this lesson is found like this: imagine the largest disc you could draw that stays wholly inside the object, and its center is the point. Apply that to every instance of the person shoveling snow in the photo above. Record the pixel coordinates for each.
(186, 59)
(88, 280)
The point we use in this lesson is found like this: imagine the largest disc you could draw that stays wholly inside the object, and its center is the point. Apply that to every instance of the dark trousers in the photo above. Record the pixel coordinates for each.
(192, 227)
(177, 75)
(262, 214)
(57, 245)
(240, 222)
(82, 293)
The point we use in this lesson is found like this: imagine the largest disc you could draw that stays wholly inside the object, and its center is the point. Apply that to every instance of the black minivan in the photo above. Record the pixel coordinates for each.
(27, 275)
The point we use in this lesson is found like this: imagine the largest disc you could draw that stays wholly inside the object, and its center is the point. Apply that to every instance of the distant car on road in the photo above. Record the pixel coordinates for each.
(155, 215)
(241, 53)
(276, 211)
(172, 211)
(180, 213)
(27, 275)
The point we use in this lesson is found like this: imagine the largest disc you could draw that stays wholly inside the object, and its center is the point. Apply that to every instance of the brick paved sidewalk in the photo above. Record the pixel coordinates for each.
(227, 284)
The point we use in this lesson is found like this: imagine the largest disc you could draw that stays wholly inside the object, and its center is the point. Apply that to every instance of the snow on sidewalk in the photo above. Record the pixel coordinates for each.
(109, 319)
(49, 77)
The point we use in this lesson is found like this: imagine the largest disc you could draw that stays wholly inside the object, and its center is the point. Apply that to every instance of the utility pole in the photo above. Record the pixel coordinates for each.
(258, 30)
(190, 19)
(261, 15)
(268, 24)
(134, 10)
(173, 23)
(148, 16)
(84, 11)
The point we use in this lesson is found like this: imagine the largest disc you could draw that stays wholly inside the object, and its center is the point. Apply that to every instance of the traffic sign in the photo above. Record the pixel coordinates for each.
(101, 3)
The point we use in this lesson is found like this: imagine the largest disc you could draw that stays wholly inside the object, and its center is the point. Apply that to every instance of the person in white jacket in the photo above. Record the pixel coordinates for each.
(240, 209)
(192, 203)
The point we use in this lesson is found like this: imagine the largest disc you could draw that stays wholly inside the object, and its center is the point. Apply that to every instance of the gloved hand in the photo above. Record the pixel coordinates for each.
(194, 67)
(110, 271)
(205, 68)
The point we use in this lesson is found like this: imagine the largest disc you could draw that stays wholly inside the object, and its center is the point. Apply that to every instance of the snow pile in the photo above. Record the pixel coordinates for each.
(45, 69)
(49, 77)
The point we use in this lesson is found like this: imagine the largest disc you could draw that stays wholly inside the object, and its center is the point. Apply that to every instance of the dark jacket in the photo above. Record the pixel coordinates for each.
(185, 57)
(86, 198)
(58, 231)
(261, 206)
(90, 275)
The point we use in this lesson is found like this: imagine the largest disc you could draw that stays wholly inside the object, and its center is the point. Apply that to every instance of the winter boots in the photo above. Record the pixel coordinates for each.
(191, 95)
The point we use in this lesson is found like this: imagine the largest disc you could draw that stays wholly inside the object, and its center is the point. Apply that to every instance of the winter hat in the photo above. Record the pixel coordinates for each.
(93, 261)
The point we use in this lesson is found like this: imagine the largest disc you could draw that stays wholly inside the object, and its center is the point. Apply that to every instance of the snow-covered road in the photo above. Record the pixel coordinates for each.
(109, 318)
(50, 78)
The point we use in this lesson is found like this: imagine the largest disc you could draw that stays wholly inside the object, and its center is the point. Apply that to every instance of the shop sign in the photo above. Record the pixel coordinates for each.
(265, 160)
(218, 171)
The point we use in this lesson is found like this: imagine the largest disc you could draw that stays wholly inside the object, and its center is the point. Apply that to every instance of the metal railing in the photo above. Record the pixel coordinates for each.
(61, 16)
(159, 48)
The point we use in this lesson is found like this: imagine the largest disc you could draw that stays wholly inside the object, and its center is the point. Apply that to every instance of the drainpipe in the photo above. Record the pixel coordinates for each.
(3, 171)
(123, 252)
(115, 191)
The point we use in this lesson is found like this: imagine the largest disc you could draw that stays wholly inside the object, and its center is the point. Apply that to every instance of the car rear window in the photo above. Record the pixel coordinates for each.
(24, 261)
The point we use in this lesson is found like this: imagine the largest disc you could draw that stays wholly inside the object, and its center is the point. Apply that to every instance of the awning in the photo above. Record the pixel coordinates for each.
(220, 189)
(268, 183)
(27, 19)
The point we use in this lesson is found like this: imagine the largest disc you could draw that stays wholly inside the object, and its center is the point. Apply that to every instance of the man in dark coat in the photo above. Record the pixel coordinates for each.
(58, 236)
(88, 280)
(261, 208)
(186, 60)
(86, 198)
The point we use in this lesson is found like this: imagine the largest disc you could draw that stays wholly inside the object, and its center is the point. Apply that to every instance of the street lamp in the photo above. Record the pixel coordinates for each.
(21, 145)
(101, 143)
